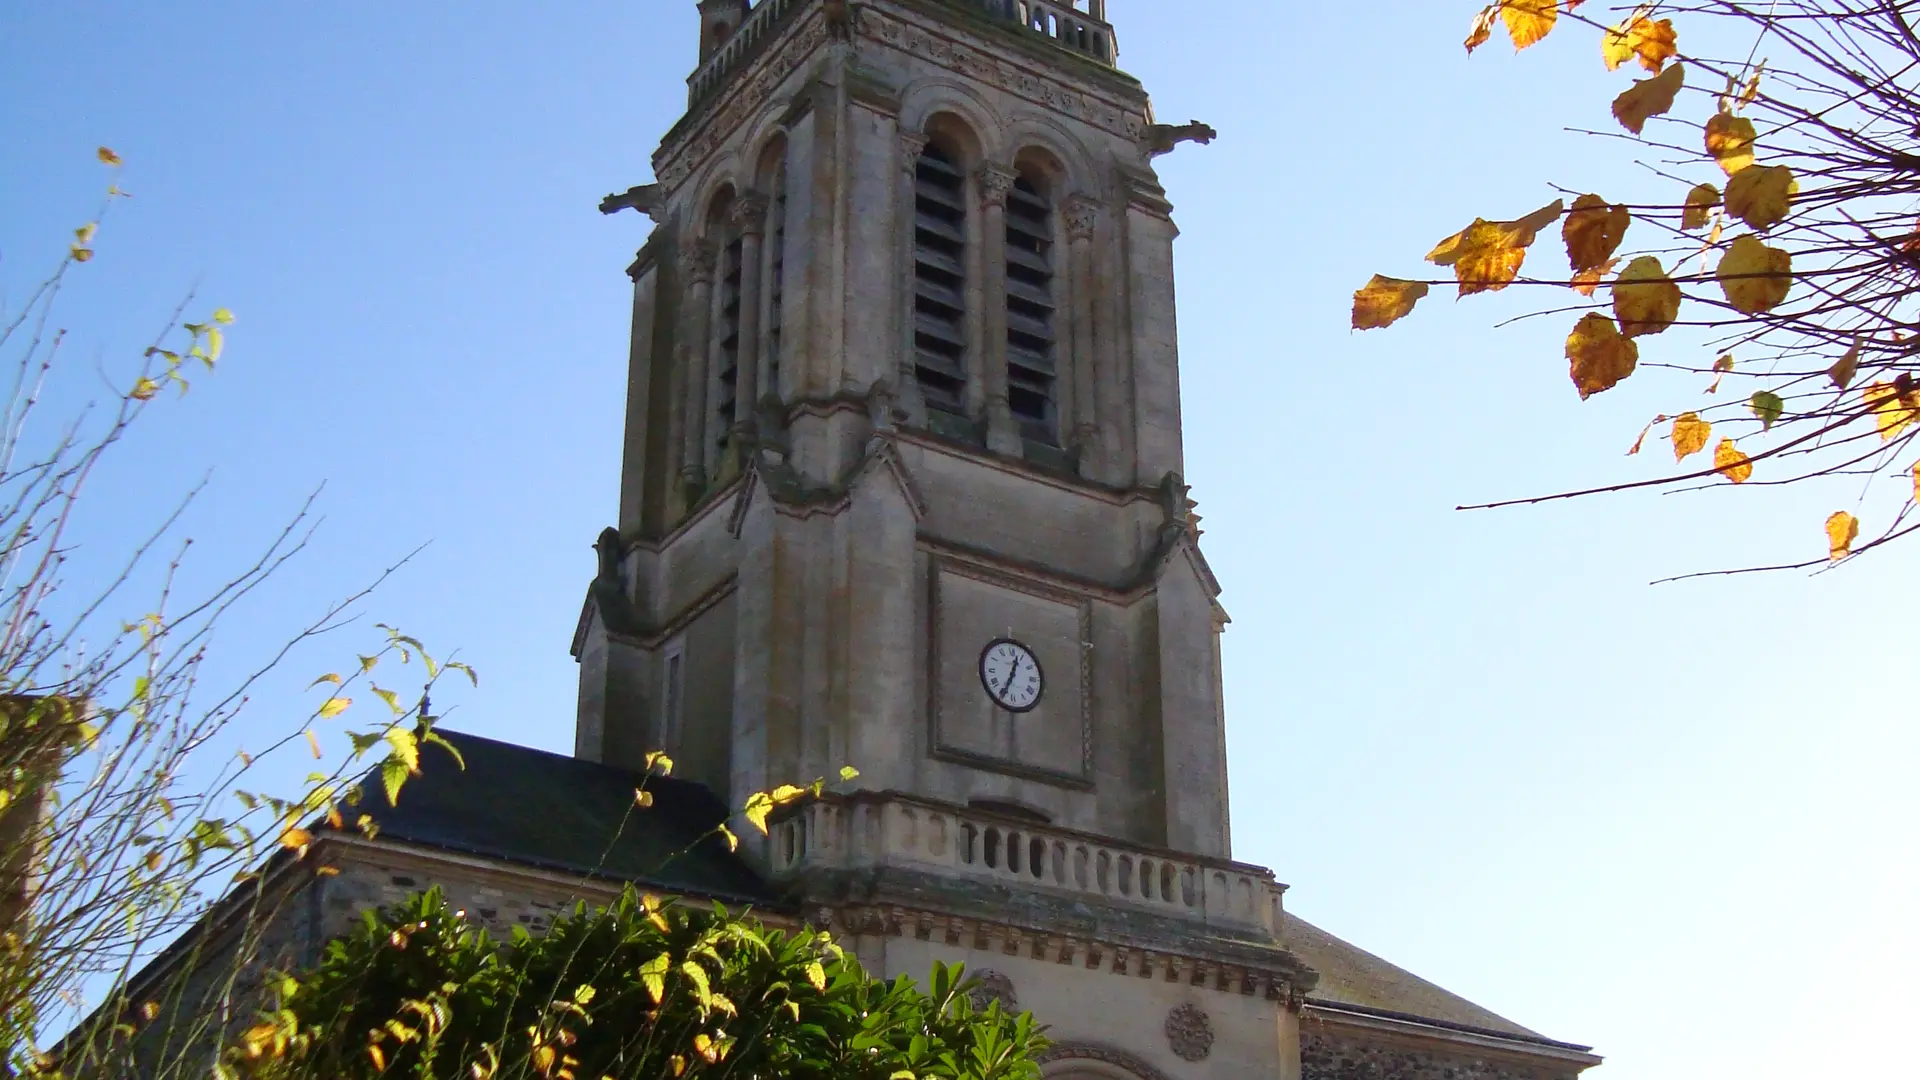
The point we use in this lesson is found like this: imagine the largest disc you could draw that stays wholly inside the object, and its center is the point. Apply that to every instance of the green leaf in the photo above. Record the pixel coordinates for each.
(702, 989)
(1769, 407)
(406, 748)
(223, 316)
(435, 740)
(393, 776)
(849, 774)
(392, 699)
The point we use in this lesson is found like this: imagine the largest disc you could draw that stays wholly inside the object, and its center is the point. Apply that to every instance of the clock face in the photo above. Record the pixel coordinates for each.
(1012, 676)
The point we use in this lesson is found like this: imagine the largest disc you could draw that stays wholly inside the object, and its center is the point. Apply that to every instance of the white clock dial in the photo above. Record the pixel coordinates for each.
(1012, 676)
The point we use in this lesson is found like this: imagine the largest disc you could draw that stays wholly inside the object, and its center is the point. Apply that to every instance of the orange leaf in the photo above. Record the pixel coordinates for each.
(1487, 255)
(1600, 356)
(1690, 434)
(1587, 281)
(1842, 530)
(1529, 21)
(1649, 98)
(1593, 231)
(1385, 301)
(1729, 462)
(108, 157)
(1654, 42)
(1482, 27)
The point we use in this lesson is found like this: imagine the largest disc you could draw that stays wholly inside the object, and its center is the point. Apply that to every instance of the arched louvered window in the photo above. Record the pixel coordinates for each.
(775, 281)
(940, 280)
(727, 376)
(1031, 351)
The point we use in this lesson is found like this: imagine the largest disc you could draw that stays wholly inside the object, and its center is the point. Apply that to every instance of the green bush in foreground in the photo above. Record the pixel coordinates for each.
(640, 989)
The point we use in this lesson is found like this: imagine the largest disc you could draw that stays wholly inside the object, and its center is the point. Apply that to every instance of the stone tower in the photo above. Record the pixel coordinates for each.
(903, 490)
(904, 383)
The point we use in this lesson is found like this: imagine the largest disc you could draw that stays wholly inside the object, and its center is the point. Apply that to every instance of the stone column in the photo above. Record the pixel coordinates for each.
(912, 144)
(1003, 436)
(698, 259)
(750, 222)
(1083, 216)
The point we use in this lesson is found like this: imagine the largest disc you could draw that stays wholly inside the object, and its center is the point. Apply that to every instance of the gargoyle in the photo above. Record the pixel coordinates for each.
(644, 198)
(1163, 138)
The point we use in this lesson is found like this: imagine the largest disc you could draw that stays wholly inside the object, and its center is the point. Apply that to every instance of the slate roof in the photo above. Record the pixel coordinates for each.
(560, 813)
(1352, 977)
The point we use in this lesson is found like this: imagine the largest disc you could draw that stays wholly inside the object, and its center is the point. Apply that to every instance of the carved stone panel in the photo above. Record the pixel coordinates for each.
(1190, 1033)
(973, 605)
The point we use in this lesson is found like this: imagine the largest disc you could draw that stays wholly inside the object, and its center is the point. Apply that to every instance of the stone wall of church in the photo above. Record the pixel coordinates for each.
(1328, 1052)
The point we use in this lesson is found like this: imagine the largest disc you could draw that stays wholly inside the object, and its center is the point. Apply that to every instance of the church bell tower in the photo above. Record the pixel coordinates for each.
(903, 490)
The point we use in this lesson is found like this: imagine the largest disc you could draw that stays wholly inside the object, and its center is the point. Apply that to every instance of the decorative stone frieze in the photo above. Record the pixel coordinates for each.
(1105, 1055)
(1190, 1033)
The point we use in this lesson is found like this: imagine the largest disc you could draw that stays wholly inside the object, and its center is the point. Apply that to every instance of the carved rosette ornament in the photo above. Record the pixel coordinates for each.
(912, 145)
(1083, 216)
(996, 181)
(698, 260)
(992, 986)
(1190, 1033)
(750, 215)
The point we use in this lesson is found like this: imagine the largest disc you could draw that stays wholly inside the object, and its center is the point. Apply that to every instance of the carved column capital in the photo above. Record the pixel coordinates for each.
(698, 258)
(912, 145)
(749, 214)
(1082, 216)
(995, 182)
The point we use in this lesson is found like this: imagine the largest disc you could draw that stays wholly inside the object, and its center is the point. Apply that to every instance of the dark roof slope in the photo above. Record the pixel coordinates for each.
(1354, 977)
(560, 813)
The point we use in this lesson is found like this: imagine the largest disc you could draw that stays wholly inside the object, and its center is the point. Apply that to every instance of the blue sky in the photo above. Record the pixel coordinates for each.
(1674, 821)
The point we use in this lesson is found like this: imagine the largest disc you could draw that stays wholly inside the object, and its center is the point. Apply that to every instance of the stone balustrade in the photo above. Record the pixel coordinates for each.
(886, 830)
(1078, 25)
(765, 17)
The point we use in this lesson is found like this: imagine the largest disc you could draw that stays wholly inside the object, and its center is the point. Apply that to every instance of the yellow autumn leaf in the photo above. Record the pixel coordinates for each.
(1892, 410)
(1730, 142)
(1842, 530)
(1700, 204)
(1653, 41)
(1645, 299)
(1593, 231)
(1385, 301)
(1755, 278)
(296, 839)
(1690, 434)
(1586, 282)
(1529, 21)
(1487, 255)
(1616, 47)
(334, 707)
(144, 389)
(1600, 356)
(1844, 369)
(1762, 195)
(1482, 27)
(108, 157)
(1729, 462)
(1648, 98)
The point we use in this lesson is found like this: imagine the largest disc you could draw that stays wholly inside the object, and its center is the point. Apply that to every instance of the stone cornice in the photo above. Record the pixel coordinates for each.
(1036, 70)
(1283, 980)
(1376, 1025)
